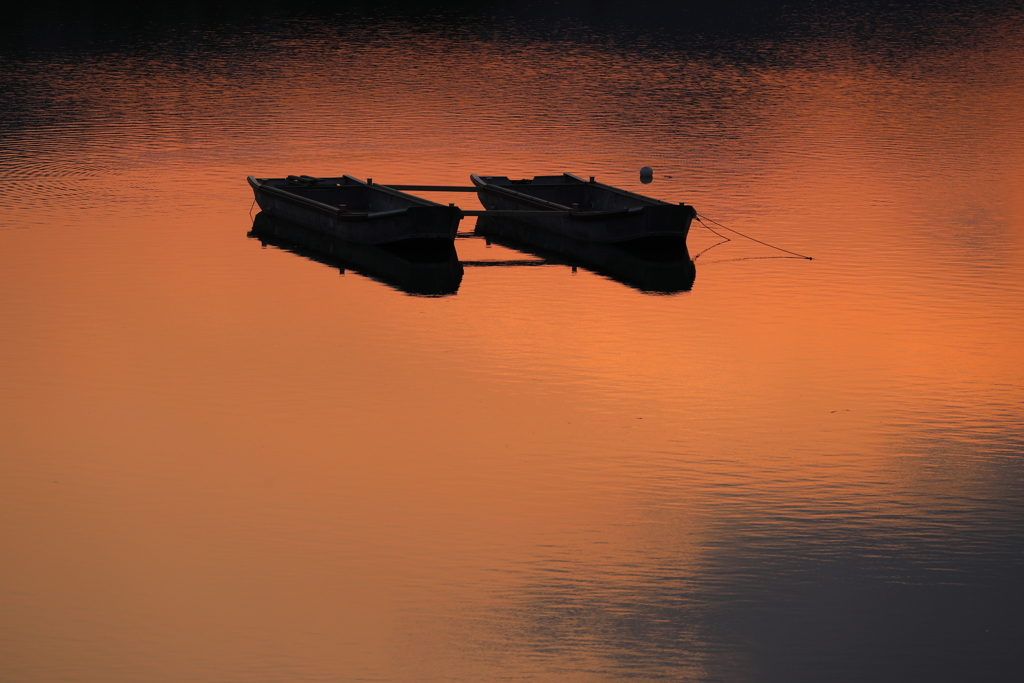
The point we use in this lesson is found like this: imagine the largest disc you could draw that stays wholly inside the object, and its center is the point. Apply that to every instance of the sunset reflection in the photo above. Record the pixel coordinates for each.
(235, 450)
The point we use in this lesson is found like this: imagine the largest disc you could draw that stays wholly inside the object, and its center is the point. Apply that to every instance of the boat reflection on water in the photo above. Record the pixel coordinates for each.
(417, 267)
(654, 265)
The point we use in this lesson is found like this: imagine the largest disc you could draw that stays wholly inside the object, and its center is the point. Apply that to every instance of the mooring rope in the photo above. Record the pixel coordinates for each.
(716, 244)
(701, 218)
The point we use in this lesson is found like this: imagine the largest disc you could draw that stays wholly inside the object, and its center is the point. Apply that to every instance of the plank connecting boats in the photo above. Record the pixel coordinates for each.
(584, 210)
(354, 210)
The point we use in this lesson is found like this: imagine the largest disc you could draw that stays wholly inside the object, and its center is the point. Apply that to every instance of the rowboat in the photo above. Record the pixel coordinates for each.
(429, 268)
(584, 210)
(653, 267)
(354, 210)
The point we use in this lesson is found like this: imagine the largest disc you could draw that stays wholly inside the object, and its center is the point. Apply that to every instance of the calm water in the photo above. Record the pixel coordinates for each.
(224, 461)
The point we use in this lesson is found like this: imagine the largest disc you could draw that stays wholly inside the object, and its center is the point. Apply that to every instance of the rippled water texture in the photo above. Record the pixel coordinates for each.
(224, 460)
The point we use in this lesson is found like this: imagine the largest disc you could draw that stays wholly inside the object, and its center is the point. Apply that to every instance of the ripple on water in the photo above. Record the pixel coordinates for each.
(796, 470)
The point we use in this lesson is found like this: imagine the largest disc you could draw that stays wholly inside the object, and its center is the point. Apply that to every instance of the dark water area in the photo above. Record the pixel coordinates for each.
(234, 449)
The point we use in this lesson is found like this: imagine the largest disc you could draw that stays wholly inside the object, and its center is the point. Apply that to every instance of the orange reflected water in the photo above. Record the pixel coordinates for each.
(227, 462)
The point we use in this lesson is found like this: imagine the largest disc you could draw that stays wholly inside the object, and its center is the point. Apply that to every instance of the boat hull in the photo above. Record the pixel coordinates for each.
(589, 212)
(402, 217)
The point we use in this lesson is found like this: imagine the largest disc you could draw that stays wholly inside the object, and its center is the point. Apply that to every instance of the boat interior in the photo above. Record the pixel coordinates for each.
(567, 190)
(345, 192)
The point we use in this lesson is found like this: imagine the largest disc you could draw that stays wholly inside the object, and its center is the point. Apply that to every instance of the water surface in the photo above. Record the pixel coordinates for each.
(224, 460)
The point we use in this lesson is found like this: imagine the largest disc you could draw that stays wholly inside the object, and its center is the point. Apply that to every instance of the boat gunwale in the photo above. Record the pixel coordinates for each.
(482, 185)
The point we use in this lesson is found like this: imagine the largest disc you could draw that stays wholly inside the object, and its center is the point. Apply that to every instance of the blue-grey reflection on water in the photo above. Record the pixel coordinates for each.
(793, 591)
(223, 462)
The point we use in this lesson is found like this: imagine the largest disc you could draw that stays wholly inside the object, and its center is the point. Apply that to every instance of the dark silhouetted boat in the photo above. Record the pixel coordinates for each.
(588, 211)
(652, 266)
(424, 268)
(355, 211)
